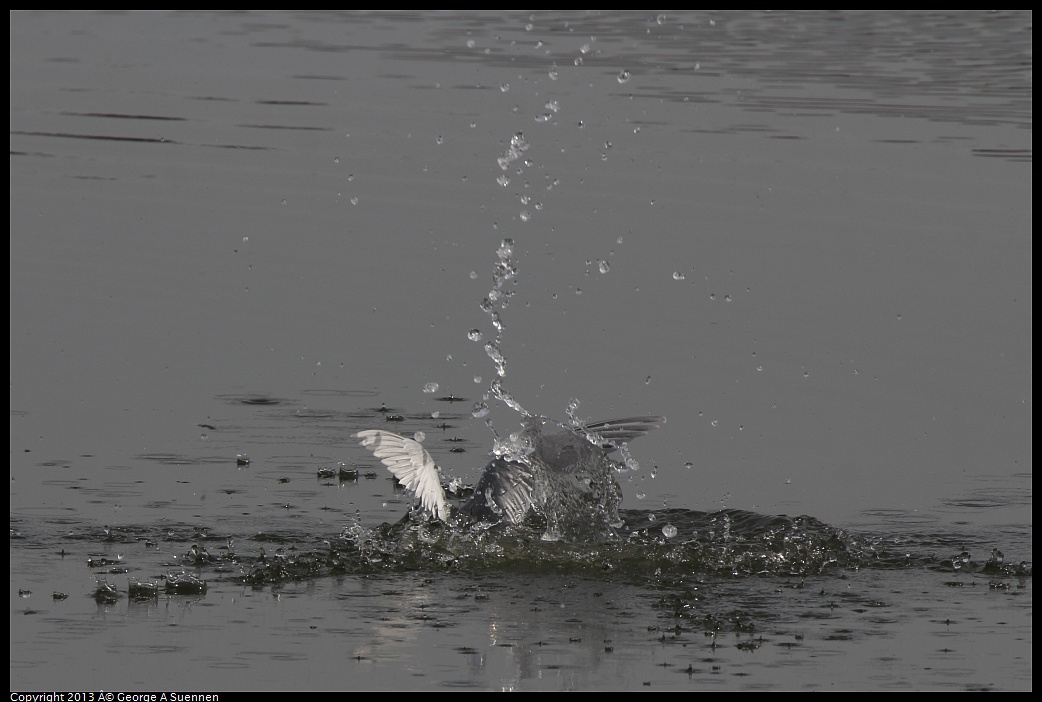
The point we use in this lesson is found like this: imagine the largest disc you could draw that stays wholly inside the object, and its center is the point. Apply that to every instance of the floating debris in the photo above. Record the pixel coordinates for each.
(198, 555)
(105, 593)
(184, 584)
(341, 472)
(102, 562)
(139, 590)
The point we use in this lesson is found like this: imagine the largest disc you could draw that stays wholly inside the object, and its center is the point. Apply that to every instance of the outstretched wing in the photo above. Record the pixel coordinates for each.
(619, 431)
(412, 465)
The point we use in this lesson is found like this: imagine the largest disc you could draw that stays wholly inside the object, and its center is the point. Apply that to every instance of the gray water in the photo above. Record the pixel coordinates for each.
(239, 238)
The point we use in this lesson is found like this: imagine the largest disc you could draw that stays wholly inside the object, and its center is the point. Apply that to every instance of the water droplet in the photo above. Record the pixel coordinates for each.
(492, 349)
(677, 275)
(689, 465)
(603, 266)
(430, 388)
(641, 495)
(477, 379)
(475, 335)
(504, 87)
(553, 72)
(669, 531)
(479, 410)
(419, 436)
(623, 76)
(435, 414)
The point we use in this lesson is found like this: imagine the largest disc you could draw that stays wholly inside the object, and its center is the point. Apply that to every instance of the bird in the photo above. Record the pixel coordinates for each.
(565, 476)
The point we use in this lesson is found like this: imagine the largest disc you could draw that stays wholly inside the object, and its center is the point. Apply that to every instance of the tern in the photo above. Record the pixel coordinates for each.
(563, 476)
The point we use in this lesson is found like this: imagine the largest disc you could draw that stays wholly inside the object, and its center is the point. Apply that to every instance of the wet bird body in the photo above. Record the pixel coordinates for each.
(566, 477)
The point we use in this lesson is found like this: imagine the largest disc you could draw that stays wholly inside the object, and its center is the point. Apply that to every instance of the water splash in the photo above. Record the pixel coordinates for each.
(504, 283)
(670, 546)
(518, 145)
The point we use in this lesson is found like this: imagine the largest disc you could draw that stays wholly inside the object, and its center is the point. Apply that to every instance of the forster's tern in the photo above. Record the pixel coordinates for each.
(562, 476)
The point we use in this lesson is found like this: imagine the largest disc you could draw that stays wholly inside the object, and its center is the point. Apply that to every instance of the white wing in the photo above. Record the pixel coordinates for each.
(411, 464)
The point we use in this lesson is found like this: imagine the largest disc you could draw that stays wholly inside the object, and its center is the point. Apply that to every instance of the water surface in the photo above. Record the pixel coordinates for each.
(803, 238)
